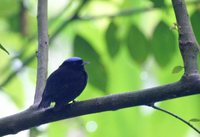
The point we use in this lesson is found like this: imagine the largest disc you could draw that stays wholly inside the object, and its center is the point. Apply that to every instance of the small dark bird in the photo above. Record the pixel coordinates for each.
(65, 84)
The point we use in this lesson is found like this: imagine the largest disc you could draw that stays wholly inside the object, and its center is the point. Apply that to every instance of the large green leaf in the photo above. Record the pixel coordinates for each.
(96, 70)
(163, 44)
(195, 19)
(112, 41)
(138, 44)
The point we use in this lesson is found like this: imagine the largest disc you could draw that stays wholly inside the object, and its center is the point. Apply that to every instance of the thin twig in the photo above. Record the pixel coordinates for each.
(175, 116)
(125, 12)
(129, 12)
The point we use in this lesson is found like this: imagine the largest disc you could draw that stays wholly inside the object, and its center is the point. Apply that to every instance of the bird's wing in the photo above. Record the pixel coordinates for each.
(75, 83)
(53, 83)
(65, 83)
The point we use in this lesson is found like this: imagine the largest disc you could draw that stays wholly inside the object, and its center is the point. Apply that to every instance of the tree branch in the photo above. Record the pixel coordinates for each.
(42, 53)
(187, 42)
(18, 122)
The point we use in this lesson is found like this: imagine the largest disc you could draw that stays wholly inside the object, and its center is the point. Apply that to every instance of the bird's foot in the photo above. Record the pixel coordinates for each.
(58, 107)
(74, 101)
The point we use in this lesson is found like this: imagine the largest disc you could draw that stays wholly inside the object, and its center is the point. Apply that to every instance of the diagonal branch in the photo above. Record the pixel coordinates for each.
(129, 12)
(18, 122)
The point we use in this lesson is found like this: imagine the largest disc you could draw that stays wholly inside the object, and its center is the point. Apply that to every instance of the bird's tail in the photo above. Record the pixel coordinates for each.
(44, 104)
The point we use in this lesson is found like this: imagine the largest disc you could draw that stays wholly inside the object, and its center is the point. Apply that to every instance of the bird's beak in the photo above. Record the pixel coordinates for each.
(86, 62)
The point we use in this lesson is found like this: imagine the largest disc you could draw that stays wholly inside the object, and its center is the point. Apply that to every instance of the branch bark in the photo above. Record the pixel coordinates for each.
(18, 122)
(42, 53)
(187, 42)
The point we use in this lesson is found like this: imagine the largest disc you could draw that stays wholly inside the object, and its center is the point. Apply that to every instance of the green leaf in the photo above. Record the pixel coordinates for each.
(1, 47)
(163, 44)
(15, 91)
(195, 19)
(113, 43)
(194, 120)
(158, 3)
(9, 7)
(57, 129)
(138, 45)
(97, 73)
(177, 69)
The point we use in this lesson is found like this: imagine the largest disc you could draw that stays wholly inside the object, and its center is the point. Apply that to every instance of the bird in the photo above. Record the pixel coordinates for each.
(65, 84)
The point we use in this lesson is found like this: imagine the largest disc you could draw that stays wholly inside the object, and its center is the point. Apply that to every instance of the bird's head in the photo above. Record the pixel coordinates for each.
(74, 63)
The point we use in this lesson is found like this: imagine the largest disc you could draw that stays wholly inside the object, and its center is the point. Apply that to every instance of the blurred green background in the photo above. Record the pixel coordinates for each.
(136, 49)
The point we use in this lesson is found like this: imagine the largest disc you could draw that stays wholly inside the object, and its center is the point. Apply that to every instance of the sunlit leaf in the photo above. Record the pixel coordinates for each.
(96, 70)
(177, 69)
(138, 45)
(1, 47)
(163, 44)
(195, 19)
(112, 41)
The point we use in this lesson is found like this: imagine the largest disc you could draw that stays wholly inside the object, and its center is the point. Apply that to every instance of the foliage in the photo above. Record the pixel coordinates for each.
(125, 54)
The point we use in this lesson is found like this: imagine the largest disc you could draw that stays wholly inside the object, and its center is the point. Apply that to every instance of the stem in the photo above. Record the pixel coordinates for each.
(42, 49)
(176, 116)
